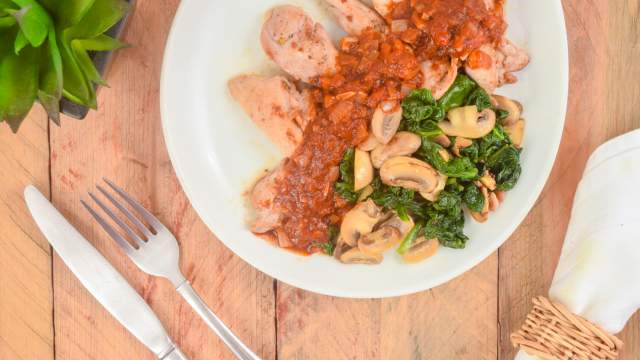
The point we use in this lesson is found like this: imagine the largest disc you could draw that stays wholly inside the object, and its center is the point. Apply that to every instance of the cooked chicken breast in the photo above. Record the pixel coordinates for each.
(299, 46)
(506, 58)
(266, 216)
(276, 106)
(438, 76)
(383, 7)
(355, 16)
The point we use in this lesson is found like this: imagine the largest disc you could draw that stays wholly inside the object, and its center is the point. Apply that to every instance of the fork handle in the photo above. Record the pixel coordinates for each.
(239, 349)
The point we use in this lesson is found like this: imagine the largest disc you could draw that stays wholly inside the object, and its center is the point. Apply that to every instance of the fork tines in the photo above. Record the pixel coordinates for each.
(134, 220)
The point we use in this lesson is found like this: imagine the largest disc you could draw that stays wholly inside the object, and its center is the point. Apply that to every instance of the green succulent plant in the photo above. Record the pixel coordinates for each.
(45, 48)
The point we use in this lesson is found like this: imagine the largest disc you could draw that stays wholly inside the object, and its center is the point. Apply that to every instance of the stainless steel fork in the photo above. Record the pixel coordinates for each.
(157, 253)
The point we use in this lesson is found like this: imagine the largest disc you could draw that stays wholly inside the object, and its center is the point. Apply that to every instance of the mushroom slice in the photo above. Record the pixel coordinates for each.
(443, 140)
(369, 144)
(467, 122)
(494, 202)
(403, 143)
(513, 107)
(385, 124)
(433, 195)
(357, 256)
(461, 143)
(488, 180)
(404, 226)
(421, 249)
(380, 240)
(362, 170)
(364, 194)
(479, 217)
(516, 132)
(409, 173)
(444, 154)
(359, 221)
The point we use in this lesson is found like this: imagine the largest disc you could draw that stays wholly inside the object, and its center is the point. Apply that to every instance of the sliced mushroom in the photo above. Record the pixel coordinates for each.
(433, 195)
(467, 122)
(357, 256)
(513, 107)
(385, 124)
(380, 240)
(444, 154)
(403, 143)
(479, 217)
(364, 194)
(369, 144)
(359, 221)
(516, 132)
(421, 249)
(460, 143)
(443, 140)
(488, 180)
(494, 202)
(409, 173)
(362, 170)
(404, 226)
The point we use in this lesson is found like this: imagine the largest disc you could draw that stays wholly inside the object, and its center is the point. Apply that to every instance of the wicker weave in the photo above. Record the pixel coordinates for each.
(553, 332)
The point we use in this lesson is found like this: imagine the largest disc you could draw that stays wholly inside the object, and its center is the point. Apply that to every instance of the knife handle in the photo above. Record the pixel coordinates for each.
(239, 349)
(175, 354)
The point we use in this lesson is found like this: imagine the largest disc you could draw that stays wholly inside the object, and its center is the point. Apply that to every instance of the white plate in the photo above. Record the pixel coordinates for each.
(217, 152)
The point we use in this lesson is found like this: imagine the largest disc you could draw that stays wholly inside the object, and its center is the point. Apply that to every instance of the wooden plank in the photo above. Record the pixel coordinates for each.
(603, 40)
(453, 321)
(123, 141)
(26, 330)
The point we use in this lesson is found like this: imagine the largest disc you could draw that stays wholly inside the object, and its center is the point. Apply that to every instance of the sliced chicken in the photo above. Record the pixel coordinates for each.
(439, 75)
(276, 106)
(299, 46)
(383, 7)
(501, 62)
(355, 16)
(266, 216)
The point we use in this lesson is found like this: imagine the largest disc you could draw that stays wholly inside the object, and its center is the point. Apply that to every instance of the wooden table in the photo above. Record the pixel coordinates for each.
(45, 313)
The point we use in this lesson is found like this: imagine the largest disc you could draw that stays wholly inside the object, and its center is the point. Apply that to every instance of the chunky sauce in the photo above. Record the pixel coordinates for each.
(372, 68)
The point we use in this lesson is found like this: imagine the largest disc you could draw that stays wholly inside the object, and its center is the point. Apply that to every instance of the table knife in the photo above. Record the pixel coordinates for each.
(102, 280)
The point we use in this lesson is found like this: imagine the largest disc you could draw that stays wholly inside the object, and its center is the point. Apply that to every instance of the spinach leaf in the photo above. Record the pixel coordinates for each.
(473, 198)
(329, 246)
(345, 187)
(421, 113)
(501, 114)
(492, 142)
(458, 93)
(459, 167)
(504, 164)
(448, 202)
(447, 229)
(479, 98)
(402, 201)
(446, 220)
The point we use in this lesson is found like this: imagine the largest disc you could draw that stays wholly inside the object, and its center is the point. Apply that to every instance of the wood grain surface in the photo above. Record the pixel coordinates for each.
(45, 313)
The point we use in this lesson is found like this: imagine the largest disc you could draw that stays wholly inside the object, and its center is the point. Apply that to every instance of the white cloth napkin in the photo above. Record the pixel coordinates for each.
(598, 275)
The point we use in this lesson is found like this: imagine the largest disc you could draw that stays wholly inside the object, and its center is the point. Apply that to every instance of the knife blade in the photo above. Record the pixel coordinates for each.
(100, 278)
